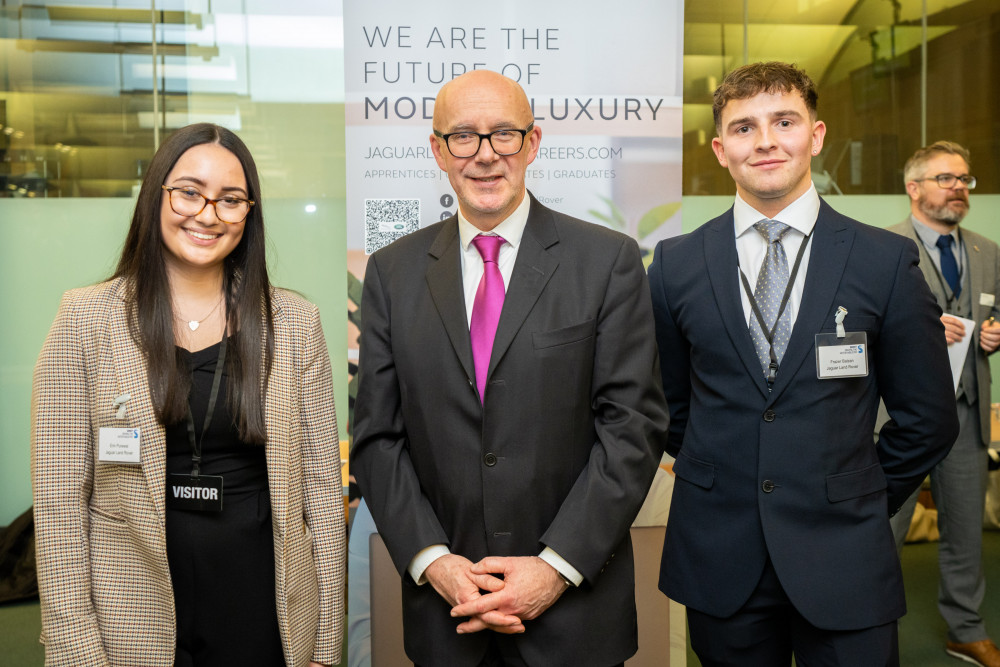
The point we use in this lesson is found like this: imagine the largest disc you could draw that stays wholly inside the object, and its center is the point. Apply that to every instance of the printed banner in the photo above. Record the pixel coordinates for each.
(605, 86)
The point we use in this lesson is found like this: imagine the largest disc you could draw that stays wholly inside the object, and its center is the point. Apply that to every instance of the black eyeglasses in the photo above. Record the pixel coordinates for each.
(189, 202)
(503, 142)
(949, 180)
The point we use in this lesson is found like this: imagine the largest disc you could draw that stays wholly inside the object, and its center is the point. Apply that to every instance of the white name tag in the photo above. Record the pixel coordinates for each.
(987, 299)
(845, 357)
(119, 445)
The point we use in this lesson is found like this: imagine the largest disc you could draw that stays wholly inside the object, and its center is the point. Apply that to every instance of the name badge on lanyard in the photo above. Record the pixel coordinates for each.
(843, 354)
(202, 493)
(190, 492)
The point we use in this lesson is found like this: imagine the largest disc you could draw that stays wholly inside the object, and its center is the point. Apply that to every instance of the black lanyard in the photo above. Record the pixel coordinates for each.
(196, 442)
(772, 367)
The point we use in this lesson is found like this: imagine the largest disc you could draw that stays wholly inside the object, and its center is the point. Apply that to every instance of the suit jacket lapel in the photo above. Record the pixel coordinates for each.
(977, 277)
(832, 240)
(532, 270)
(721, 259)
(444, 280)
(130, 366)
(277, 421)
(926, 265)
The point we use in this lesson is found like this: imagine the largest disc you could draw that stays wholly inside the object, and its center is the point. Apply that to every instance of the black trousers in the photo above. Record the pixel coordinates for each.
(768, 630)
(222, 566)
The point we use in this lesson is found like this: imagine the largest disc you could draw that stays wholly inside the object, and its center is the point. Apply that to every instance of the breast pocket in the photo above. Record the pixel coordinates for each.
(574, 335)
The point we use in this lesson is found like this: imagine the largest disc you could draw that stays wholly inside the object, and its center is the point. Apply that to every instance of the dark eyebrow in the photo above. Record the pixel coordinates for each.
(785, 113)
(746, 120)
(197, 181)
(750, 120)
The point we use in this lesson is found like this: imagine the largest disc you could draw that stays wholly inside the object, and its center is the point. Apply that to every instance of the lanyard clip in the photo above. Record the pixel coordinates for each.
(119, 403)
(839, 321)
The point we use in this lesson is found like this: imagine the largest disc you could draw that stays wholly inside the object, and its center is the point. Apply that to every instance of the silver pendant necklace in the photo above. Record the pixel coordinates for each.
(194, 324)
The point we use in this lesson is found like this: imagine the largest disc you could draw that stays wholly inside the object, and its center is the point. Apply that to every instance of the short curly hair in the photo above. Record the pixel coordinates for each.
(915, 166)
(767, 77)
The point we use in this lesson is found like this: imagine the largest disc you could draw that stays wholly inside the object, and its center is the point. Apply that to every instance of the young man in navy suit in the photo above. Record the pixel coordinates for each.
(780, 325)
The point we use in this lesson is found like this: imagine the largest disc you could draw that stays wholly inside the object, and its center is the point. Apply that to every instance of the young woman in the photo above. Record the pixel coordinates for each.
(185, 457)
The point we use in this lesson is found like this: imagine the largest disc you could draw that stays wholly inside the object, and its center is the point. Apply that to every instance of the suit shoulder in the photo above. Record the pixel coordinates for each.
(588, 231)
(110, 289)
(95, 301)
(886, 239)
(290, 302)
(689, 242)
(903, 228)
(976, 239)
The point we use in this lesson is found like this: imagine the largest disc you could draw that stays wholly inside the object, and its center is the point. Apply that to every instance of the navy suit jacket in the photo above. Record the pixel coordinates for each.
(792, 474)
(561, 455)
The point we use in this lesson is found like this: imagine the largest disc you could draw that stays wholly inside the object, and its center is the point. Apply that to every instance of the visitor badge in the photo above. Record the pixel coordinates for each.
(842, 356)
(202, 493)
(118, 445)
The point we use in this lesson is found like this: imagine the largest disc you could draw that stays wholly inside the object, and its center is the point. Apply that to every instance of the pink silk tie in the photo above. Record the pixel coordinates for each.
(486, 308)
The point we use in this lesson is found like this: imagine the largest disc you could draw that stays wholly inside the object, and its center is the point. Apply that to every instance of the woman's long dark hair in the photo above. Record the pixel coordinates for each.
(245, 285)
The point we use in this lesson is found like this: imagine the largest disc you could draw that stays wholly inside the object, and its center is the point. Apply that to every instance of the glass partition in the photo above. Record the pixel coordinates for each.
(890, 79)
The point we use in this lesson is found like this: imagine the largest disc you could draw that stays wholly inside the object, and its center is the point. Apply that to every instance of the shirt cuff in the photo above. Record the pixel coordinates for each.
(423, 559)
(568, 572)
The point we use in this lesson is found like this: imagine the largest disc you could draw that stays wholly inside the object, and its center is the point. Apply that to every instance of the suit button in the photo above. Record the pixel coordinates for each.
(767, 486)
(769, 416)
(490, 459)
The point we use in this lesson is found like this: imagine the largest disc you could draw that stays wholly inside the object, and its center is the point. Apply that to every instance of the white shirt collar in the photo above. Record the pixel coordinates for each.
(800, 215)
(511, 229)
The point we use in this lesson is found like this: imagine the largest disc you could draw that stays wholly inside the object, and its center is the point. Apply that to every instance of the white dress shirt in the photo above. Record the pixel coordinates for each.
(511, 229)
(751, 248)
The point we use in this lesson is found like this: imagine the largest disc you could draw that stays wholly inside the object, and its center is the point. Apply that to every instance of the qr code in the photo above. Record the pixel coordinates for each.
(389, 219)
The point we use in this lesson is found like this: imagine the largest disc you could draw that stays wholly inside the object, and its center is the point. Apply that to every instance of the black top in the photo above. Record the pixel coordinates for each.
(242, 465)
(222, 563)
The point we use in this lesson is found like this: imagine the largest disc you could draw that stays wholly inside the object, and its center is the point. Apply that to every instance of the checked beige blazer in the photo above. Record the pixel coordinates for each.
(105, 586)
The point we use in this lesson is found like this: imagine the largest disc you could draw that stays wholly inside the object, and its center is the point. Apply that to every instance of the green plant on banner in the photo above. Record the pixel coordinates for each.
(354, 290)
(647, 223)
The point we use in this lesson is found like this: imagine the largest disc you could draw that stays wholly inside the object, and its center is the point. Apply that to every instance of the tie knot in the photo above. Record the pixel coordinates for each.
(771, 230)
(488, 246)
(944, 241)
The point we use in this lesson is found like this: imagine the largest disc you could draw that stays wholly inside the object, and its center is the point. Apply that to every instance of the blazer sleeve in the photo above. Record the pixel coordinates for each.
(380, 458)
(630, 420)
(62, 476)
(675, 356)
(915, 382)
(995, 310)
(323, 491)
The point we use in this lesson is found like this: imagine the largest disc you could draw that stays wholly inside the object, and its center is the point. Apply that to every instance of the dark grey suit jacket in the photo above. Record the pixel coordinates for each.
(561, 455)
(792, 474)
(984, 278)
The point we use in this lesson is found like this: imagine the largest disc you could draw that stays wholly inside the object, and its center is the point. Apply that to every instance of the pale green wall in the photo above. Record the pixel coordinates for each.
(51, 245)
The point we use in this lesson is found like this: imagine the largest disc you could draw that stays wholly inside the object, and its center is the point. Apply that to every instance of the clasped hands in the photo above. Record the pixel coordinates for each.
(989, 332)
(529, 586)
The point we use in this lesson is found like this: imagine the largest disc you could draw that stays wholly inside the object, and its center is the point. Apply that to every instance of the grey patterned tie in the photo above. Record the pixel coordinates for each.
(771, 283)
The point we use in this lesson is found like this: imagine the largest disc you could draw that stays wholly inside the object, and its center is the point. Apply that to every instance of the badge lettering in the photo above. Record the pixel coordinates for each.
(196, 492)
(199, 493)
